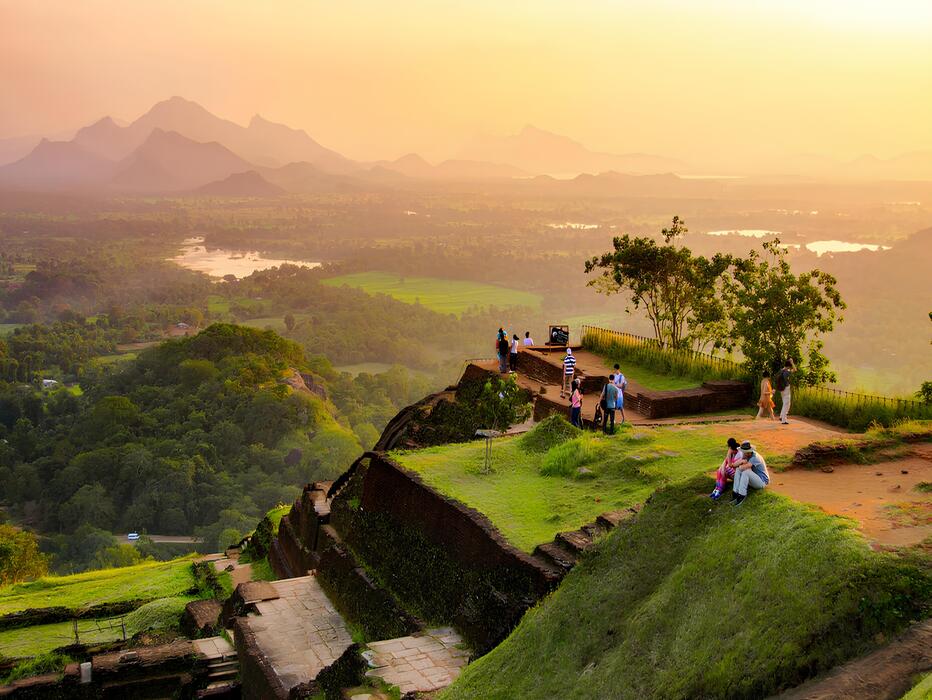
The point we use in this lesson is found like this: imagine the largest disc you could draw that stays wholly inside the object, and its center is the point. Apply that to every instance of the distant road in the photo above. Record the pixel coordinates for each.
(165, 539)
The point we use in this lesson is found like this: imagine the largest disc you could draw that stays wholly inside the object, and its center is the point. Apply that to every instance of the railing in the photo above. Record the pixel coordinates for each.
(849, 409)
(647, 351)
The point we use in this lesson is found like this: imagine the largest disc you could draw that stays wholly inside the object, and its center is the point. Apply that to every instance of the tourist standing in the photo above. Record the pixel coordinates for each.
(783, 386)
(576, 405)
(609, 399)
(502, 348)
(765, 404)
(569, 370)
(527, 338)
(513, 355)
(749, 472)
(622, 384)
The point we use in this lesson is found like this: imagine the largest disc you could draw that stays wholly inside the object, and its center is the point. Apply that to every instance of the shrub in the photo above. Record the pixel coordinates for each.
(551, 431)
(566, 458)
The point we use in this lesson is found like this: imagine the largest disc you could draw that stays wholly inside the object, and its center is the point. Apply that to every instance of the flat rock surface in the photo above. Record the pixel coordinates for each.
(422, 663)
(256, 591)
(299, 631)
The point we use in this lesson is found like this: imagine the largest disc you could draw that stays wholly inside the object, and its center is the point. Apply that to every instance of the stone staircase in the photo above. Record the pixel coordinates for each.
(564, 551)
(222, 664)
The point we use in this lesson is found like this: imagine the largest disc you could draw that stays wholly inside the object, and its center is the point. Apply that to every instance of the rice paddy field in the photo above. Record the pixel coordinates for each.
(441, 295)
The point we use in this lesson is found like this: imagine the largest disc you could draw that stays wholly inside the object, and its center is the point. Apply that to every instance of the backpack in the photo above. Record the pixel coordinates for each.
(782, 382)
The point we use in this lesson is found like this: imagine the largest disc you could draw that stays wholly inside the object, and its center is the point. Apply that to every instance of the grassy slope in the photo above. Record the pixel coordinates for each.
(149, 580)
(39, 639)
(530, 508)
(702, 600)
(444, 296)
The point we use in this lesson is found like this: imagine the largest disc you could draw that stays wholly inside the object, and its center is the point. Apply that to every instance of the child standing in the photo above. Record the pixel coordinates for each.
(576, 405)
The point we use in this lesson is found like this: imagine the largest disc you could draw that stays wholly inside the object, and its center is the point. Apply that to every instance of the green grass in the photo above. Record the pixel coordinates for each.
(41, 639)
(704, 600)
(36, 666)
(652, 379)
(148, 580)
(115, 358)
(442, 295)
(922, 690)
(530, 507)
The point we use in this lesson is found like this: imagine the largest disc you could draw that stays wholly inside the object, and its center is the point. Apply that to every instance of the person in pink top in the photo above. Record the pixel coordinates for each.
(576, 405)
(726, 472)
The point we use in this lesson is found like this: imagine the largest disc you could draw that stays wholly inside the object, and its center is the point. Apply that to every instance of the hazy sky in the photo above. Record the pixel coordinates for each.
(687, 78)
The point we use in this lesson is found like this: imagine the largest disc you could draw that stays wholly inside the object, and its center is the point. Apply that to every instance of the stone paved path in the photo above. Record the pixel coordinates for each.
(424, 663)
(214, 648)
(300, 633)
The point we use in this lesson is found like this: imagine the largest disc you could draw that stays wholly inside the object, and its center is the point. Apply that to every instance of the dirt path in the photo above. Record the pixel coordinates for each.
(770, 437)
(883, 497)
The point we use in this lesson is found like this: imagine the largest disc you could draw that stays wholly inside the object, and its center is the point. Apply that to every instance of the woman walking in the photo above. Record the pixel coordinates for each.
(576, 405)
(765, 403)
(513, 355)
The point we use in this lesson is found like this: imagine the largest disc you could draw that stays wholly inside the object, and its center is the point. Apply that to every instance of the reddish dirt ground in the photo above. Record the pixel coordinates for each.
(873, 494)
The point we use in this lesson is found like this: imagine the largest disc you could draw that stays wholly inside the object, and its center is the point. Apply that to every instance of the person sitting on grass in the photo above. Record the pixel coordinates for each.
(726, 472)
(749, 472)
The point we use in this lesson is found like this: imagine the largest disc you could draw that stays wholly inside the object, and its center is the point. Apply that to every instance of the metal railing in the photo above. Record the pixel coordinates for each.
(849, 408)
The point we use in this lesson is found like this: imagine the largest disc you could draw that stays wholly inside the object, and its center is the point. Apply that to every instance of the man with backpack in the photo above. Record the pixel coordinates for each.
(783, 386)
(501, 346)
(608, 400)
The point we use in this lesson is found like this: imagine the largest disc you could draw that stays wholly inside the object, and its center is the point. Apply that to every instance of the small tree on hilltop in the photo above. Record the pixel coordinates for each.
(502, 404)
(679, 292)
(777, 315)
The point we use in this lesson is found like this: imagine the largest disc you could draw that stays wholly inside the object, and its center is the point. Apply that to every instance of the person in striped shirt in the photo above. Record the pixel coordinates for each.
(569, 370)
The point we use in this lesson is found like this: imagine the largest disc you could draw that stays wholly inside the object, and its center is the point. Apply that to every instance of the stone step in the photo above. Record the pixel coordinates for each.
(222, 675)
(610, 520)
(593, 530)
(223, 665)
(556, 554)
(576, 541)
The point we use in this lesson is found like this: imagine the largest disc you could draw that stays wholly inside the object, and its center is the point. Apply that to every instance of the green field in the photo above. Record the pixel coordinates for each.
(651, 379)
(8, 328)
(529, 506)
(444, 296)
(143, 581)
(39, 639)
(700, 600)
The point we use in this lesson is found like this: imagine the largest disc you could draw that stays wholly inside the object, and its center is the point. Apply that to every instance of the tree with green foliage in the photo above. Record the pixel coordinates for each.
(680, 292)
(20, 558)
(502, 404)
(777, 315)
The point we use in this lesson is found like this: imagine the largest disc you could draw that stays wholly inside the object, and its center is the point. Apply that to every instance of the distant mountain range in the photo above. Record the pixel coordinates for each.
(180, 147)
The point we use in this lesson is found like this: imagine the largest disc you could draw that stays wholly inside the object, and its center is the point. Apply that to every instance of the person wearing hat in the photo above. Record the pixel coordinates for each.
(749, 472)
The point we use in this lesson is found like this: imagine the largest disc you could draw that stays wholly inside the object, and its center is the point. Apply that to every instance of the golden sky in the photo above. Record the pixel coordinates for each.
(695, 79)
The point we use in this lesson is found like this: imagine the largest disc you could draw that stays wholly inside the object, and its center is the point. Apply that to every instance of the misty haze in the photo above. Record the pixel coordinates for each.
(440, 353)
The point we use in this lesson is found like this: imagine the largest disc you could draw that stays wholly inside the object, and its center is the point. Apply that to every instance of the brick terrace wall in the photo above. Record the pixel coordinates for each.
(258, 681)
(294, 552)
(468, 535)
(437, 557)
(711, 397)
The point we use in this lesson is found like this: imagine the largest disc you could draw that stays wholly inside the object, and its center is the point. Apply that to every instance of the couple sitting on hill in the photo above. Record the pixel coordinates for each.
(745, 466)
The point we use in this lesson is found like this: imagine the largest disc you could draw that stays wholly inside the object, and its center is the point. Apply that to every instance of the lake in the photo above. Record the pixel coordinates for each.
(218, 262)
(821, 247)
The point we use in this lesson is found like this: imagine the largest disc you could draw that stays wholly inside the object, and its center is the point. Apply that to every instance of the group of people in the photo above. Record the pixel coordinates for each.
(765, 404)
(507, 350)
(611, 398)
(745, 467)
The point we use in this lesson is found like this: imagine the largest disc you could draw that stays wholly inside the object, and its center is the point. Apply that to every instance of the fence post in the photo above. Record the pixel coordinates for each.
(74, 623)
